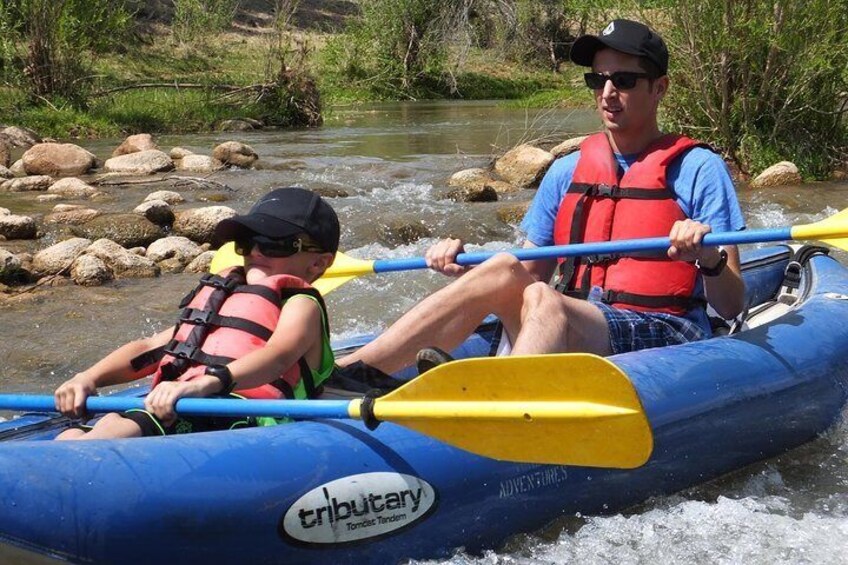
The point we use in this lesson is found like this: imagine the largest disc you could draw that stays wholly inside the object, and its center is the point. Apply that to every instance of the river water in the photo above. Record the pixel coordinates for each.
(393, 161)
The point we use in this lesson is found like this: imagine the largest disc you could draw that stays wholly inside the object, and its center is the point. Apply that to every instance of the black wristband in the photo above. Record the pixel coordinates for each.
(223, 374)
(713, 271)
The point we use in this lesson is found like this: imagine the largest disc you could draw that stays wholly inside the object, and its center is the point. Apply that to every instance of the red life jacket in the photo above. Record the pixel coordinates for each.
(223, 319)
(599, 207)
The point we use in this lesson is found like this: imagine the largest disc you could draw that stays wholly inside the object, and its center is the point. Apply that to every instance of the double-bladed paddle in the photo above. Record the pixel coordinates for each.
(564, 409)
(832, 231)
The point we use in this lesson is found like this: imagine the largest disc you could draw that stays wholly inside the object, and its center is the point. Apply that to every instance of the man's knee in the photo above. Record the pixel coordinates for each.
(541, 297)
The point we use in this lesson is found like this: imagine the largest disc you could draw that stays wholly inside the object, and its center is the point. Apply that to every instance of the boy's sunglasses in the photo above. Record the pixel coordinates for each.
(272, 247)
(622, 80)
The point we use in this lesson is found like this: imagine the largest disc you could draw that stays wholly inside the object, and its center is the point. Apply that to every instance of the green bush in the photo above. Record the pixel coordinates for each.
(764, 80)
(197, 19)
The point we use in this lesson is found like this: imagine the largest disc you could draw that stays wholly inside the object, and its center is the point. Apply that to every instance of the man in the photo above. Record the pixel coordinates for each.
(629, 181)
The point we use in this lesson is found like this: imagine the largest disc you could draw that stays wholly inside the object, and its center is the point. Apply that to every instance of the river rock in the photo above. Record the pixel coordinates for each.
(17, 168)
(235, 154)
(568, 146)
(11, 268)
(127, 230)
(522, 166)
(201, 263)
(58, 257)
(72, 187)
(27, 184)
(236, 126)
(123, 263)
(401, 230)
(21, 137)
(17, 227)
(168, 196)
(157, 211)
(5, 153)
(482, 193)
(181, 248)
(135, 144)
(470, 178)
(6, 173)
(512, 214)
(58, 160)
(784, 173)
(199, 224)
(141, 163)
(90, 270)
(178, 153)
(49, 197)
(199, 164)
(71, 215)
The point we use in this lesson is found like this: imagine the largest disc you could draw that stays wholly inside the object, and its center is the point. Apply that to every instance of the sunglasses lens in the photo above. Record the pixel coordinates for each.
(243, 247)
(595, 81)
(624, 81)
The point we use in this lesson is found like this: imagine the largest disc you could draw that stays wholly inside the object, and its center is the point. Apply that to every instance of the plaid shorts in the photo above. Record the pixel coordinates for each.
(632, 331)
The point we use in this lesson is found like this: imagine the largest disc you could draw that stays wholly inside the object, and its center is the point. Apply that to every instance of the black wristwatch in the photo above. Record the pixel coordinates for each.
(223, 374)
(713, 271)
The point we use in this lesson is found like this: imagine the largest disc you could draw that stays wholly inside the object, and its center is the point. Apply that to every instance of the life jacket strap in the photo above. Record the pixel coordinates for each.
(682, 302)
(200, 317)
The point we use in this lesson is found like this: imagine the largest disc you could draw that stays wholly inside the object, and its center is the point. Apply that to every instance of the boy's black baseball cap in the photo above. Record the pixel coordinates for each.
(627, 36)
(285, 212)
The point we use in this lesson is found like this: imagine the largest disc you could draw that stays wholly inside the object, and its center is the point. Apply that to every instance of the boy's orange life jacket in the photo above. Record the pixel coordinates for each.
(224, 319)
(599, 207)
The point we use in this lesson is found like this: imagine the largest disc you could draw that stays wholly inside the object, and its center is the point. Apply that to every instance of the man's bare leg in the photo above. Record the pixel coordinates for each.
(554, 323)
(447, 317)
(108, 427)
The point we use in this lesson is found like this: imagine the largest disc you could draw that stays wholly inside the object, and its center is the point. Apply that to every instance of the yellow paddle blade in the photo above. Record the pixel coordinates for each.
(343, 269)
(565, 409)
(832, 231)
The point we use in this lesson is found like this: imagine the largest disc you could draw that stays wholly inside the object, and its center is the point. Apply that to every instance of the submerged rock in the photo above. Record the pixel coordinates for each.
(127, 230)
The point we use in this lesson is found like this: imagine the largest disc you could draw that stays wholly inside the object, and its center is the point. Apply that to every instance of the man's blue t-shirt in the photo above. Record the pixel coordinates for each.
(699, 180)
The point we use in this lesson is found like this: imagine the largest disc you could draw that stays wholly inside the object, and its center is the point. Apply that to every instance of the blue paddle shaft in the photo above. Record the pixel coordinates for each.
(599, 248)
(333, 409)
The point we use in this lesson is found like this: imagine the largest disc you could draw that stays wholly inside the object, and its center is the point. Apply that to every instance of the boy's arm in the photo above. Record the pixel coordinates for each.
(113, 369)
(297, 333)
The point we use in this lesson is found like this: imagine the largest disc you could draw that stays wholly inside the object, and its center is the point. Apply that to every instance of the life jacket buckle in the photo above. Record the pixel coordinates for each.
(196, 317)
(181, 350)
(605, 190)
(608, 296)
(600, 258)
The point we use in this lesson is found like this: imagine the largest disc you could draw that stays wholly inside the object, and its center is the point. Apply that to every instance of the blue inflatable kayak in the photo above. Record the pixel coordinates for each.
(334, 491)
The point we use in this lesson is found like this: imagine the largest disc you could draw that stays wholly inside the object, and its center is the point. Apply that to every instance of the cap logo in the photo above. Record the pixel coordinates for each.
(609, 29)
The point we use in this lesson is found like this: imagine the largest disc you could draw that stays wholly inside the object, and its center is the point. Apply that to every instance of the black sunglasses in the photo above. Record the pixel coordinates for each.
(622, 80)
(272, 247)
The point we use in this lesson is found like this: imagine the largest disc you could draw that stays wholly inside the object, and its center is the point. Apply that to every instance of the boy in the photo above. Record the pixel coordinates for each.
(256, 332)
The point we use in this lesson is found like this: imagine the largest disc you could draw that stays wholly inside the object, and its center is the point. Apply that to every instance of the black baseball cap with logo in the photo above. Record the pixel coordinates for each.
(627, 36)
(286, 212)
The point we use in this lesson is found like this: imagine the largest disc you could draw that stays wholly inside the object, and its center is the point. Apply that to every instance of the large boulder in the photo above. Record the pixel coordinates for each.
(128, 230)
(34, 183)
(524, 165)
(58, 257)
(17, 227)
(58, 160)
(168, 196)
(784, 173)
(568, 146)
(5, 173)
(135, 144)
(21, 137)
(199, 224)
(235, 154)
(121, 262)
(141, 163)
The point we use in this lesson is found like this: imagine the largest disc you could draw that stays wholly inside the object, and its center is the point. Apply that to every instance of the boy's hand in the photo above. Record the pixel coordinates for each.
(162, 399)
(686, 237)
(71, 395)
